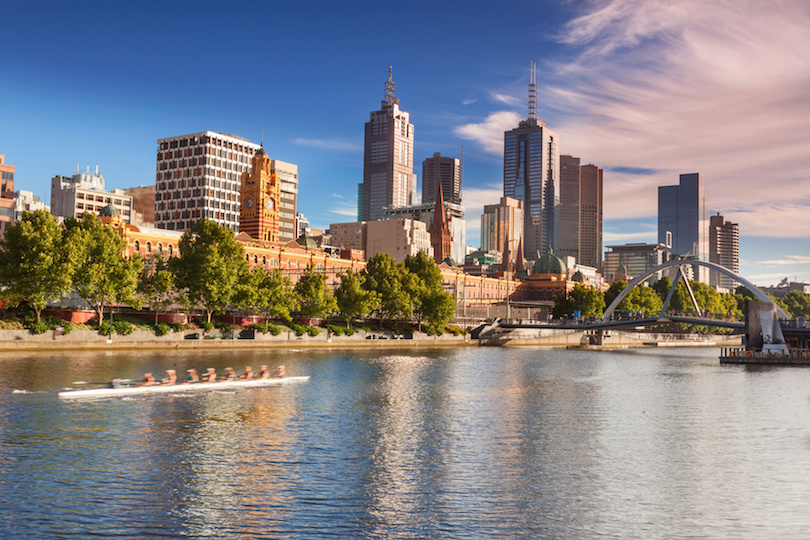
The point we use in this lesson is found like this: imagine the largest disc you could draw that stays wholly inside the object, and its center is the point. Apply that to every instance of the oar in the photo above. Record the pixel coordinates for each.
(103, 382)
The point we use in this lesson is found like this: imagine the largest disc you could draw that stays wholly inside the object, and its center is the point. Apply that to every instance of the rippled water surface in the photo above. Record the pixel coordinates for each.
(468, 443)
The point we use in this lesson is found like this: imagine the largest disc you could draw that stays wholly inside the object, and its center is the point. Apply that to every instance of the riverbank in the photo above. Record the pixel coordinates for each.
(22, 340)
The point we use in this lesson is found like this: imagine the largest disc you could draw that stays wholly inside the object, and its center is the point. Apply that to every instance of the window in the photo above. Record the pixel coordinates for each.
(137, 246)
(149, 247)
(171, 250)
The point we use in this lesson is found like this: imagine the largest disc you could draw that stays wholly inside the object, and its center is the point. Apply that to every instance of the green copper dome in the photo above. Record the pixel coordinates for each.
(549, 264)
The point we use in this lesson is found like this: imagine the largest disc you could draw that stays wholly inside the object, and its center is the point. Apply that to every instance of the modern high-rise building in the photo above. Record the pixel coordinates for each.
(198, 176)
(633, 260)
(8, 205)
(683, 221)
(724, 249)
(531, 173)
(388, 177)
(502, 226)
(580, 212)
(444, 170)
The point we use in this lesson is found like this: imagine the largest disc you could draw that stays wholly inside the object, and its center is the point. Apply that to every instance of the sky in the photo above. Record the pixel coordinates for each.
(646, 90)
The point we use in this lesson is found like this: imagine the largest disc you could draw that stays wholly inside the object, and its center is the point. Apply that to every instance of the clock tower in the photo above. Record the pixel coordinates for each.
(260, 195)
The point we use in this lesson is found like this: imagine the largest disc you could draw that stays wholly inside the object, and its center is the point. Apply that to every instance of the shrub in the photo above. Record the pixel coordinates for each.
(313, 331)
(123, 327)
(273, 329)
(39, 327)
(161, 329)
(177, 327)
(455, 330)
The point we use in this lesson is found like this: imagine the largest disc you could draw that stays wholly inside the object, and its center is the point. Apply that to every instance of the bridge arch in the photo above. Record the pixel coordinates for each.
(687, 262)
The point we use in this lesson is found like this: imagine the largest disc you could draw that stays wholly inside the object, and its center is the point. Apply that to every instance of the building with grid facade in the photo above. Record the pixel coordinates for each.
(580, 212)
(724, 249)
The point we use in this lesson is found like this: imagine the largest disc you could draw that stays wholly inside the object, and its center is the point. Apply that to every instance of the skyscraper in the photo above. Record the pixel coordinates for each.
(683, 221)
(724, 249)
(580, 222)
(198, 176)
(531, 173)
(444, 170)
(502, 226)
(388, 177)
(7, 204)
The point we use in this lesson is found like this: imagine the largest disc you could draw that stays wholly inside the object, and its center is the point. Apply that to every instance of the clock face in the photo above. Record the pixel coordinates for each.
(249, 202)
(269, 204)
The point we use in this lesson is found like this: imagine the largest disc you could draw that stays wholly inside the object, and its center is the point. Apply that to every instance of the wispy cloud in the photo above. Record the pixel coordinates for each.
(489, 133)
(338, 196)
(468, 101)
(512, 101)
(342, 145)
(675, 88)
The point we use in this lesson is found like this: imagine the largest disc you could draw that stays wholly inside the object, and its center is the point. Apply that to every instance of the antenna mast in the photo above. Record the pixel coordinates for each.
(391, 87)
(533, 92)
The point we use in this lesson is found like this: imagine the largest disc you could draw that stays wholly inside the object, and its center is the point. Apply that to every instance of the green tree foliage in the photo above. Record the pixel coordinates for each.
(613, 292)
(103, 275)
(646, 300)
(36, 264)
(423, 282)
(269, 293)
(797, 303)
(210, 266)
(156, 285)
(353, 300)
(587, 300)
(383, 276)
(315, 299)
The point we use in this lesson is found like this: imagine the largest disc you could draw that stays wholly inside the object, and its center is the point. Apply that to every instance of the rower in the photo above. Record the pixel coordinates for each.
(171, 377)
(264, 372)
(148, 379)
(210, 376)
(248, 374)
(192, 376)
(115, 383)
(230, 375)
(279, 372)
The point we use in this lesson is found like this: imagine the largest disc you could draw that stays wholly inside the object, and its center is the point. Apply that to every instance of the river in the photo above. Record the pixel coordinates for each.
(446, 444)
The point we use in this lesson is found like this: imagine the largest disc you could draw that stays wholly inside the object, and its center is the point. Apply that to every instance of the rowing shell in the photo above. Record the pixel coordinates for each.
(174, 388)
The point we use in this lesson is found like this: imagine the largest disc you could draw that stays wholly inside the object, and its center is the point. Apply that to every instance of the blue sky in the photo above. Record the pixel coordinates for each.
(646, 90)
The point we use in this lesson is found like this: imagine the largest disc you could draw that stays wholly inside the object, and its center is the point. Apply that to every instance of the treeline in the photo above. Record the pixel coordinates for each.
(650, 300)
(42, 260)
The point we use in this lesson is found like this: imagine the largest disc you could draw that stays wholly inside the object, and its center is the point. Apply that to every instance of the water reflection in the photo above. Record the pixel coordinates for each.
(472, 443)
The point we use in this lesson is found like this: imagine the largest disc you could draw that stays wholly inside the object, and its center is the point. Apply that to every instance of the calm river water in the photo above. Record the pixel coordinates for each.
(467, 443)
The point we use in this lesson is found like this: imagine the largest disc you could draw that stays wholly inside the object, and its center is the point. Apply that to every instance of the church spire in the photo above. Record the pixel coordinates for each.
(440, 236)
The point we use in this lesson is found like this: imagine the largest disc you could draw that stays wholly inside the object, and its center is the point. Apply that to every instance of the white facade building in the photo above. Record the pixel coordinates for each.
(425, 212)
(397, 237)
(199, 176)
(85, 192)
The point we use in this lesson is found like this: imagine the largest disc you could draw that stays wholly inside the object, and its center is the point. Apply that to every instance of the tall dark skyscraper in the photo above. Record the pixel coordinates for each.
(683, 220)
(531, 173)
(580, 211)
(388, 177)
(446, 170)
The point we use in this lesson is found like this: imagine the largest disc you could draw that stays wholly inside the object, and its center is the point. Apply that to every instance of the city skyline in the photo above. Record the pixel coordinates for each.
(645, 91)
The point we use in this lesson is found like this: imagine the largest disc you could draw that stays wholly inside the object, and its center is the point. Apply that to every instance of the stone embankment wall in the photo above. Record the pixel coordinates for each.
(84, 339)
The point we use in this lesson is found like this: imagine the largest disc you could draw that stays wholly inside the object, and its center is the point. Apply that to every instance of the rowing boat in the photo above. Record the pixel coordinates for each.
(174, 388)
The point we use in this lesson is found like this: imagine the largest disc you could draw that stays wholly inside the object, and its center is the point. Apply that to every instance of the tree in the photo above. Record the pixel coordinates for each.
(644, 299)
(352, 299)
(587, 300)
(103, 275)
(423, 283)
(210, 266)
(383, 276)
(156, 285)
(315, 299)
(797, 304)
(269, 293)
(613, 292)
(36, 264)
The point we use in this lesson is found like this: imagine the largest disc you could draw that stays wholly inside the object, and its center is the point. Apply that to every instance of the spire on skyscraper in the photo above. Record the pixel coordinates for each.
(533, 91)
(391, 88)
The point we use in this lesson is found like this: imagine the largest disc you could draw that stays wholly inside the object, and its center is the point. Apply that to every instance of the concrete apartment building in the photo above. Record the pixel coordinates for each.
(198, 176)
(8, 205)
(531, 173)
(632, 260)
(444, 170)
(426, 211)
(724, 249)
(350, 235)
(580, 212)
(27, 201)
(398, 238)
(502, 226)
(388, 177)
(143, 205)
(287, 174)
(683, 221)
(85, 192)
